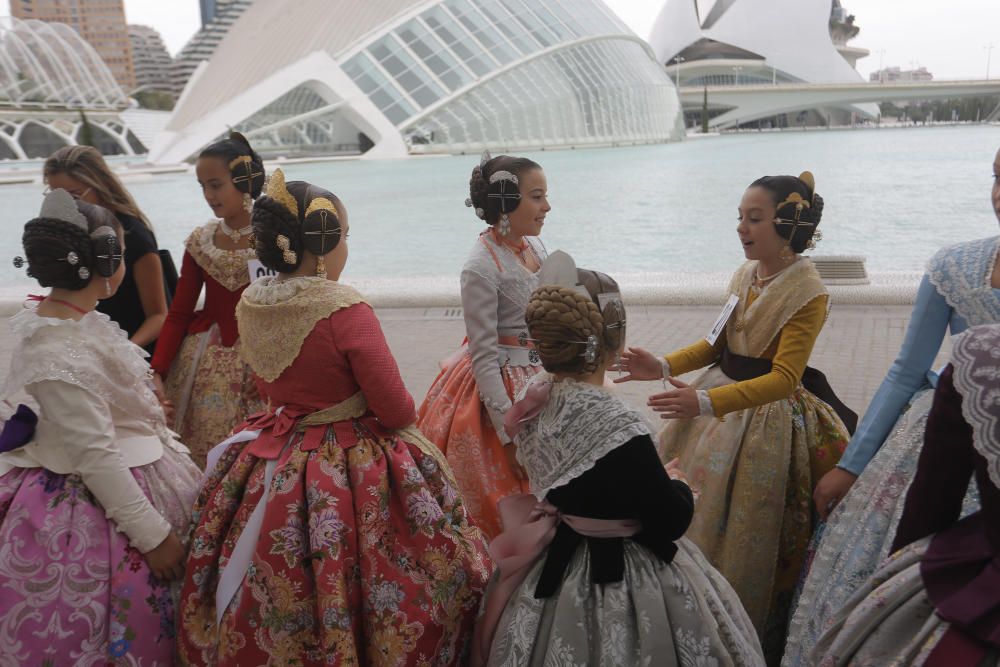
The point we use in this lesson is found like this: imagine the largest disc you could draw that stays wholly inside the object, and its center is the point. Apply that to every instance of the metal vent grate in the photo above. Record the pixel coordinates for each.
(842, 269)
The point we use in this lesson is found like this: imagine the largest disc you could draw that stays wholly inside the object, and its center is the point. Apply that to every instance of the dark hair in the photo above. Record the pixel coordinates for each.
(49, 241)
(560, 319)
(781, 189)
(480, 187)
(237, 146)
(272, 219)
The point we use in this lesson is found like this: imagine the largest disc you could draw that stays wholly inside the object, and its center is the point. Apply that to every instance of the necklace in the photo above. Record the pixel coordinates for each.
(763, 279)
(235, 234)
(519, 250)
(35, 297)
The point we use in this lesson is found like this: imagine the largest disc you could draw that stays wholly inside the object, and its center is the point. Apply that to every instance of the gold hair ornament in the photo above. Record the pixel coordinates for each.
(285, 246)
(277, 191)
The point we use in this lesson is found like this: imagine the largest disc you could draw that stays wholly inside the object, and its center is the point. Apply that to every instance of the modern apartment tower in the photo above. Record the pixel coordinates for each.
(217, 16)
(100, 22)
(152, 61)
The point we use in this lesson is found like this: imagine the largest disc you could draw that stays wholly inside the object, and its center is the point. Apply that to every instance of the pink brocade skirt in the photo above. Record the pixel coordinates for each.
(72, 589)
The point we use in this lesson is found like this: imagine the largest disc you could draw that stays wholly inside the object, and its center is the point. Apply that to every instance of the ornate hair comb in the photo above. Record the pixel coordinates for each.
(277, 191)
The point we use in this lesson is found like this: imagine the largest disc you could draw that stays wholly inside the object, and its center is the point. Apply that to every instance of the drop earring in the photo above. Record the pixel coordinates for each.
(107, 287)
(504, 225)
(247, 203)
(320, 267)
(786, 255)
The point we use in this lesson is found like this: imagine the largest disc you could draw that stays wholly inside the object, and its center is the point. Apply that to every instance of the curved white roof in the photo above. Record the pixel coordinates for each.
(427, 76)
(46, 65)
(792, 35)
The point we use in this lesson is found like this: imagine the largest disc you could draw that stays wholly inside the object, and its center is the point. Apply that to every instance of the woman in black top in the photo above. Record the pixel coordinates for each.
(140, 305)
(593, 566)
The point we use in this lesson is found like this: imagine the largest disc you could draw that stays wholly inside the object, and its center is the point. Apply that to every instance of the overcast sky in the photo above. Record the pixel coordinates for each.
(949, 38)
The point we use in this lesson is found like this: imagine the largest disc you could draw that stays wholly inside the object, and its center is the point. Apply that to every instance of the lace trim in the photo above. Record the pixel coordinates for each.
(92, 353)
(961, 275)
(977, 379)
(227, 267)
(275, 317)
(771, 311)
(580, 424)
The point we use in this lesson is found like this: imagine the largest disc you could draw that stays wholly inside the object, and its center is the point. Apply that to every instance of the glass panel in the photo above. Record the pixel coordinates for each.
(379, 89)
(529, 22)
(482, 30)
(455, 38)
(405, 70)
(504, 22)
(434, 55)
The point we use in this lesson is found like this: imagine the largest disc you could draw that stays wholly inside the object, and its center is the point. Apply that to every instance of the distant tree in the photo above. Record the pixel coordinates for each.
(154, 99)
(85, 137)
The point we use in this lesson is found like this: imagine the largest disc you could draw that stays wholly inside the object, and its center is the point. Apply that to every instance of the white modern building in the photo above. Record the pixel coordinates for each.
(397, 77)
(52, 83)
(218, 16)
(760, 42)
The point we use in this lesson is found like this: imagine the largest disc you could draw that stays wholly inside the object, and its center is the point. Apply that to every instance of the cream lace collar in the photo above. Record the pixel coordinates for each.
(228, 267)
(275, 317)
(976, 359)
(579, 425)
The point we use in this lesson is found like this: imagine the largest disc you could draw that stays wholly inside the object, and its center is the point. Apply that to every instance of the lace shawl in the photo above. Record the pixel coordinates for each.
(579, 425)
(976, 359)
(275, 317)
(92, 353)
(961, 274)
(228, 267)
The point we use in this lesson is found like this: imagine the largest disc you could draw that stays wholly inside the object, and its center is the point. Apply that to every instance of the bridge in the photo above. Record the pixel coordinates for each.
(751, 102)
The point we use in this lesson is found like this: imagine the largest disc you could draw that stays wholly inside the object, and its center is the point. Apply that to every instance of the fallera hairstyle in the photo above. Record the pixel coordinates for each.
(799, 208)
(561, 319)
(87, 165)
(48, 243)
(245, 165)
(480, 186)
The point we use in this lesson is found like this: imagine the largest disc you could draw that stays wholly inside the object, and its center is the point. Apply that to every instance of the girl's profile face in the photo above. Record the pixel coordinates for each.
(757, 231)
(216, 182)
(529, 216)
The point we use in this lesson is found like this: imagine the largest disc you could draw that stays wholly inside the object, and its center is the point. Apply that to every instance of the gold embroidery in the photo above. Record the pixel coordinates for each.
(272, 333)
(227, 267)
(277, 191)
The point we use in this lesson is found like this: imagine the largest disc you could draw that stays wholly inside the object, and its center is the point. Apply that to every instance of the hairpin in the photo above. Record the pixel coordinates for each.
(502, 176)
(285, 246)
(18, 262)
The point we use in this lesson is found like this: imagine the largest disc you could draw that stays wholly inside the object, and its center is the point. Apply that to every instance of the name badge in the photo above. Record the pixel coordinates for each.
(724, 316)
(258, 270)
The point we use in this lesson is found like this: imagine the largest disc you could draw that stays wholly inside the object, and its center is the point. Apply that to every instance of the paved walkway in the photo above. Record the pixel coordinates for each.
(855, 349)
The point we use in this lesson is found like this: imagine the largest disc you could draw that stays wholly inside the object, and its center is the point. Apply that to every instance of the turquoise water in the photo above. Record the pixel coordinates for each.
(892, 195)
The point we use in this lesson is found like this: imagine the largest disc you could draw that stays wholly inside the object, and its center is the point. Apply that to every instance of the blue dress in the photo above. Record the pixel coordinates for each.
(954, 294)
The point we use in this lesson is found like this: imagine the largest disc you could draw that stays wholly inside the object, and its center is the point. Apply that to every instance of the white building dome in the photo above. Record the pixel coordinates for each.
(412, 76)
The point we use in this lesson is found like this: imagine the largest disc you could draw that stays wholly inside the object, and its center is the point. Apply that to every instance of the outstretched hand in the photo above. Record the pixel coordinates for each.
(680, 403)
(640, 364)
(831, 489)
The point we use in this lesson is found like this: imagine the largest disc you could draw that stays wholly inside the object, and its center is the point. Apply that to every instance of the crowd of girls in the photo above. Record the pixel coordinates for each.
(265, 490)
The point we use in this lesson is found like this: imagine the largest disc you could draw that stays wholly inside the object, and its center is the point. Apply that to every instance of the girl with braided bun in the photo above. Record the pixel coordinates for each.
(95, 492)
(464, 408)
(592, 565)
(197, 357)
(758, 429)
(328, 530)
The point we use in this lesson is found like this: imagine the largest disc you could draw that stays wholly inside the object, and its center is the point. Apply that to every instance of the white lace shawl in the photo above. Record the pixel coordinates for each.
(976, 360)
(580, 424)
(92, 353)
(961, 274)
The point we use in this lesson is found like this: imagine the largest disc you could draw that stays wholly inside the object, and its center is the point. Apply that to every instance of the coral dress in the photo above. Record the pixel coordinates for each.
(197, 354)
(324, 533)
(936, 602)
(464, 408)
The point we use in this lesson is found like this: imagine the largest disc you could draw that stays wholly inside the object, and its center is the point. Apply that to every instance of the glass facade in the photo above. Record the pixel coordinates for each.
(466, 73)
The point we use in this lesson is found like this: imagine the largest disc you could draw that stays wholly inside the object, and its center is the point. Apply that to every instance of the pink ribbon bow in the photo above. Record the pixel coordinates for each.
(526, 409)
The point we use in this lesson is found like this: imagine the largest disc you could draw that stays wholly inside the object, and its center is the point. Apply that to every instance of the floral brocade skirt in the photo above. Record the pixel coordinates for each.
(364, 555)
(454, 418)
(212, 390)
(72, 589)
(682, 614)
(856, 539)
(756, 470)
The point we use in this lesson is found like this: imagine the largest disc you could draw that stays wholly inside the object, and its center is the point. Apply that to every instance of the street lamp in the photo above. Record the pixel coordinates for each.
(737, 68)
(989, 54)
(881, 72)
(677, 70)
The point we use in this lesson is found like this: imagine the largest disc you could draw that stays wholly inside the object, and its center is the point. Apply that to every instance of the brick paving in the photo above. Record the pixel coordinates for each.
(855, 349)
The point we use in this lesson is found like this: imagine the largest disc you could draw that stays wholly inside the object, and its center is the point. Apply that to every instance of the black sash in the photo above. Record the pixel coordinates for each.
(742, 368)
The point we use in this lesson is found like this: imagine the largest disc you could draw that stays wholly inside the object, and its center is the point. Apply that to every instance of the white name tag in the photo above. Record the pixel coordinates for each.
(258, 270)
(724, 316)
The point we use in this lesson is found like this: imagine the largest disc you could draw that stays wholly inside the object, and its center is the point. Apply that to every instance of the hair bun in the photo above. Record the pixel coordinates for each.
(479, 191)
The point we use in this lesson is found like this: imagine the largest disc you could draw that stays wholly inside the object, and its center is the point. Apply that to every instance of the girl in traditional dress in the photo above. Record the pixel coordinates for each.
(140, 304)
(464, 408)
(959, 290)
(327, 532)
(593, 568)
(936, 602)
(756, 430)
(94, 490)
(197, 358)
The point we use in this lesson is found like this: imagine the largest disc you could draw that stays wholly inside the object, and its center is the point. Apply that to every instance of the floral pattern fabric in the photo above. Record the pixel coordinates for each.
(683, 613)
(455, 419)
(72, 589)
(366, 556)
(212, 390)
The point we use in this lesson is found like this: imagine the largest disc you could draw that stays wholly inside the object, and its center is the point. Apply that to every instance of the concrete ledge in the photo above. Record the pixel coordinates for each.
(640, 289)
